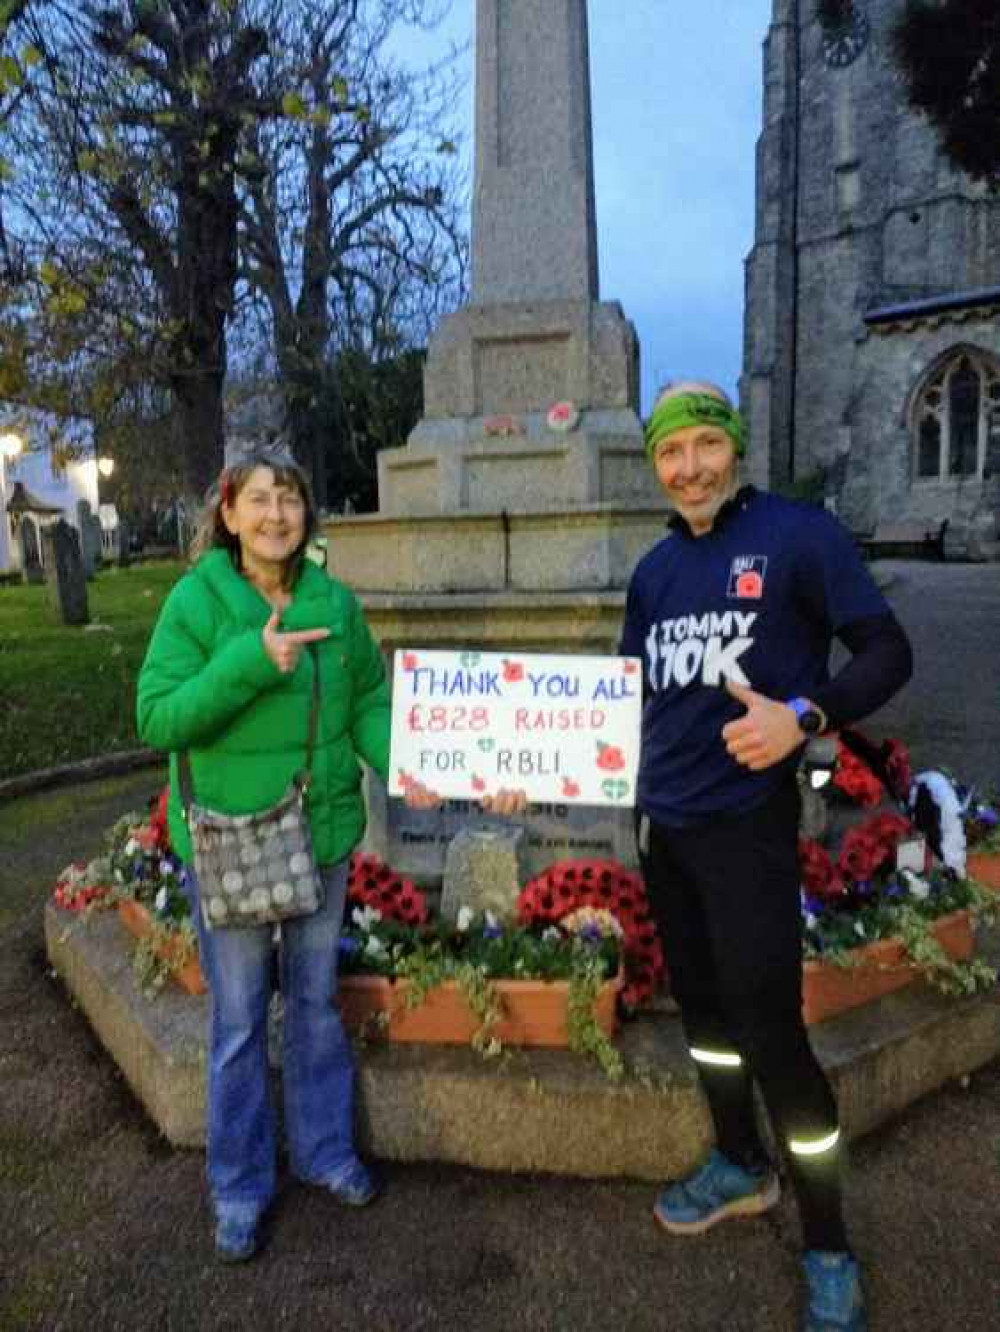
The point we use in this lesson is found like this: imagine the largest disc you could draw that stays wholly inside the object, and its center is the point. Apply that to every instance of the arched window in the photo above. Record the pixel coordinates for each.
(956, 421)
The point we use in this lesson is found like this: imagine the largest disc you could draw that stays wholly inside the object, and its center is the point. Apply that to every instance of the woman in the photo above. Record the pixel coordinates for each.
(228, 677)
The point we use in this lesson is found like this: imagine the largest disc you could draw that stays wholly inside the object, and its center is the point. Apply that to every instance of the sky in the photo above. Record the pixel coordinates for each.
(676, 88)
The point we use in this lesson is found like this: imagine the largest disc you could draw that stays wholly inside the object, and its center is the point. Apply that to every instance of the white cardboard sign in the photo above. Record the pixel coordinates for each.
(560, 728)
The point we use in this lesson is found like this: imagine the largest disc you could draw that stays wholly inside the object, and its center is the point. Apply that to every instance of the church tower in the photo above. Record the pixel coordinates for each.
(871, 367)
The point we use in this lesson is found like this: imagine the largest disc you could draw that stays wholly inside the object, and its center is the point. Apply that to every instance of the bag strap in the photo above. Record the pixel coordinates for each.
(304, 775)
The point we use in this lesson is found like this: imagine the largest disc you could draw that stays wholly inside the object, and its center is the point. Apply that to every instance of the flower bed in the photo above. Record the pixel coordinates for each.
(532, 1012)
(981, 823)
(876, 969)
(887, 901)
(481, 981)
(178, 956)
(602, 885)
(984, 867)
(584, 932)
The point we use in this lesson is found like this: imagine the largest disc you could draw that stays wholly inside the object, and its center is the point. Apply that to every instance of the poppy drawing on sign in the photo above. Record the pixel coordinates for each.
(609, 757)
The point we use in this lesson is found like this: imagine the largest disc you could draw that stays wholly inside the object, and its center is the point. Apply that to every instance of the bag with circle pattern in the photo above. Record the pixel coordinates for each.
(255, 869)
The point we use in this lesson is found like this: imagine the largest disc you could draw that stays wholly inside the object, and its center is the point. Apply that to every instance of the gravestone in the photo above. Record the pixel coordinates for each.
(89, 526)
(64, 573)
(31, 551)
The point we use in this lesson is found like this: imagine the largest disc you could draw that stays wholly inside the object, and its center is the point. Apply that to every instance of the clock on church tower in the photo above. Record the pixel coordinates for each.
(844, 43)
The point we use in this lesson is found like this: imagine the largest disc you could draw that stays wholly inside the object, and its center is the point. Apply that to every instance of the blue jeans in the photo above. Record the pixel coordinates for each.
(318, 1071)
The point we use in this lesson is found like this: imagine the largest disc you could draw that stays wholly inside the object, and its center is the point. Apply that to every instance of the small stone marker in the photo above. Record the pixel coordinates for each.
(483, 870)
(90, 537)
(64, 573)
(31, 552)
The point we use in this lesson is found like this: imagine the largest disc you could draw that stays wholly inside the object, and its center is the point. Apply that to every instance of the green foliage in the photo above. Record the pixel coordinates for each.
(585, 1034)
(168, 947)
(69, 693)
(380, 402)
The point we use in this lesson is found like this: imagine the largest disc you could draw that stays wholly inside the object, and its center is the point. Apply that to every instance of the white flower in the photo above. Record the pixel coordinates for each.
(859, 929)
(492, 923)
(161, 899)
(810, 920)
(916, 885)
(465, 917)
(131, 847)
(366, 918)
(374, 945)
(551, 934)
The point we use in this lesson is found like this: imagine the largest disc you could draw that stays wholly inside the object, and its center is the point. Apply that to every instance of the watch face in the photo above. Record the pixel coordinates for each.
(810, 721)
(843, 44)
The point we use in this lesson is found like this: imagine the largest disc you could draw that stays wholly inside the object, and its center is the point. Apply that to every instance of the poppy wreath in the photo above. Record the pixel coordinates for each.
(855, 779)
(568, 885)
(865, 849)
(371, 883)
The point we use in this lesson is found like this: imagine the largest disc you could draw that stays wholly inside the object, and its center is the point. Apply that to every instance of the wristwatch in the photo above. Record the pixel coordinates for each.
(810, 719)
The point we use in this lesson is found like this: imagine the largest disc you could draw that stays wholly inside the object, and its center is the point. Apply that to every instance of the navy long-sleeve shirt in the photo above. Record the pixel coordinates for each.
(759, 600)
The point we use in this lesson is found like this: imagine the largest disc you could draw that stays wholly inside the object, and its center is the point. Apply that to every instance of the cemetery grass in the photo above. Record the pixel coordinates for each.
(68, 693)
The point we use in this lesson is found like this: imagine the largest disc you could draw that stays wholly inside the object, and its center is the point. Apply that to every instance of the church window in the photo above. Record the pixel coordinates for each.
(964, 410)
(929, 461)
(954, 420)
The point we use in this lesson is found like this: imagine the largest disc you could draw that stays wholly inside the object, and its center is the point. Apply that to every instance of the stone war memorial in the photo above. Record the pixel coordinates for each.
(520, 504)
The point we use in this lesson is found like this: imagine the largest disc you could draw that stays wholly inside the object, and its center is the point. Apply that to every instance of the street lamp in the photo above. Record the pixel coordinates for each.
(11, 444)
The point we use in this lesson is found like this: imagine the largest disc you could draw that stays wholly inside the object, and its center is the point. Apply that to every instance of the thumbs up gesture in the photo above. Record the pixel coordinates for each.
(767, 733)
(284, 649)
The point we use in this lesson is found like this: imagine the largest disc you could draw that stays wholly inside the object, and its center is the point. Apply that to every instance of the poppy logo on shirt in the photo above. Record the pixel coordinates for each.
(746, 577)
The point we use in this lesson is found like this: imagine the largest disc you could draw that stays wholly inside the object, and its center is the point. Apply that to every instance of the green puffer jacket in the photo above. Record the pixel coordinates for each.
(208, 686)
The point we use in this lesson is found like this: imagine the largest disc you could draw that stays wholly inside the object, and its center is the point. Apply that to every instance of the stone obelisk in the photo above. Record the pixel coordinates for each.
(496, 531)
(535, 333)
(534, 220)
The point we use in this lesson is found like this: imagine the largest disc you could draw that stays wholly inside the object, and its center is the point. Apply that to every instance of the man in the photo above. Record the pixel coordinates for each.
(734, 614)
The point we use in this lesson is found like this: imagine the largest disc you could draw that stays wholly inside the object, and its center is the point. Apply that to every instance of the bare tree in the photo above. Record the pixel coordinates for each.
(144, 112)
(350, 227)
(155, 136)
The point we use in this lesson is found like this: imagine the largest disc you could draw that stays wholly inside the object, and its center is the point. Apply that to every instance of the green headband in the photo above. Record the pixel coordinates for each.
(692, 409)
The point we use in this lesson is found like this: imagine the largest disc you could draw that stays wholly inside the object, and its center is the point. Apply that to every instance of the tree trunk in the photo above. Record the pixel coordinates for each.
(197, 429)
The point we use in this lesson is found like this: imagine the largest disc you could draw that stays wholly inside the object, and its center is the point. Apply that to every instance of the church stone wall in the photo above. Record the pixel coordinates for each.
(858, 205)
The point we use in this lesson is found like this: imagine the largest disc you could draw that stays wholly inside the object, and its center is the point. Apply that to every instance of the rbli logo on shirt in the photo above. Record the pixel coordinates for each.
(746, 578)
(710, 646)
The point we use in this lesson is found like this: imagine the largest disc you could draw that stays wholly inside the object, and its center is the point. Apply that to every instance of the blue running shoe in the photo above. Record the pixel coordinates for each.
(835, 1300)
(353, 1186)
(716, 1190)
(235, 1239)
